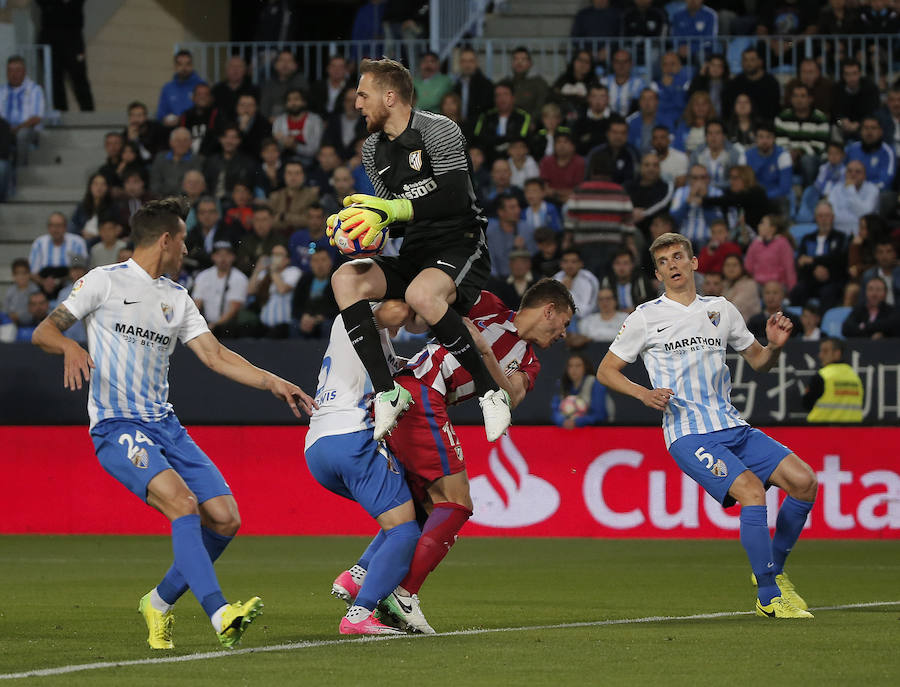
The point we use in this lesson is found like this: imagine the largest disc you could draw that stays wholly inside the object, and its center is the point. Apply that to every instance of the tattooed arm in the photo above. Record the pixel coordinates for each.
(77, 363)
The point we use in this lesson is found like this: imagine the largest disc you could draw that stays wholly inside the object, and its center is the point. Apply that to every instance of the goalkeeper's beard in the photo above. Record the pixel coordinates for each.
(375, 121)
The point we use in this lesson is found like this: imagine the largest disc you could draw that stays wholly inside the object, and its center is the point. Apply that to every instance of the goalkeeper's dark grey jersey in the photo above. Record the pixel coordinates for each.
(429, 165)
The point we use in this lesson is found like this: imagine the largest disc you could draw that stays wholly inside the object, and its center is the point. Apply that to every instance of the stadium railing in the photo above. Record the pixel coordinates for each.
(879, 54)
(451, 20)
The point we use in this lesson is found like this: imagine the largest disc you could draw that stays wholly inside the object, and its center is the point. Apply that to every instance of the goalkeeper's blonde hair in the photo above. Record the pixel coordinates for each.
(390, 75)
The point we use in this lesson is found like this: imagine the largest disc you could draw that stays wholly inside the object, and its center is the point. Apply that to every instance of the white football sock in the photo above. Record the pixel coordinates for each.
(158, 602)
(216, 619)
(358, 573)
(357, 613)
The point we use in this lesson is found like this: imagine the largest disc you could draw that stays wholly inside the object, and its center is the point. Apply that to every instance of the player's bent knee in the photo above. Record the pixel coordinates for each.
(352, 283)
(747, 490)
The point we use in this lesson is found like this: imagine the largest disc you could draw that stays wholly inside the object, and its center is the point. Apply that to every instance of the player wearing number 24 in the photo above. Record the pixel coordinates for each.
(134, 315)
(682, 338)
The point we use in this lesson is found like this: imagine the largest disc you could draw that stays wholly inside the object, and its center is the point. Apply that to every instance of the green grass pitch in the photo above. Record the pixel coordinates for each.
(72, 600)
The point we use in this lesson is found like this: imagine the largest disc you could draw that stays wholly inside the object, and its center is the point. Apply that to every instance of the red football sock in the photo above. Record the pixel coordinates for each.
(438, 535)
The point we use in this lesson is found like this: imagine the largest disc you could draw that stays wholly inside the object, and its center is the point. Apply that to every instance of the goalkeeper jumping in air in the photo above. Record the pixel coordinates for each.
(419, 167)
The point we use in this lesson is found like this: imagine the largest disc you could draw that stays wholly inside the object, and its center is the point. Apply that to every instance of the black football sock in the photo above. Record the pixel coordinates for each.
(452, 334)
(363, 332)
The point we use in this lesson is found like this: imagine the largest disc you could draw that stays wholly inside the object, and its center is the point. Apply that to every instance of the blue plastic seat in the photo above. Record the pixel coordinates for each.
(833, 320)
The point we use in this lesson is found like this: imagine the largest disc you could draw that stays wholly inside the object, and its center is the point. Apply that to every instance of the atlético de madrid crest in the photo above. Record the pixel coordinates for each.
(415, 160)
(713, 317)
(167, 311)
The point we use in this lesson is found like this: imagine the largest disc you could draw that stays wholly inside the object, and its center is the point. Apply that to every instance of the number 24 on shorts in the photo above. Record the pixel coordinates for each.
(716, 467)
(137, 454)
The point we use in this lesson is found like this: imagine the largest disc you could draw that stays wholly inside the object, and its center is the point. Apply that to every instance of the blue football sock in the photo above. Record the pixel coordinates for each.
(173, 585)
(373, 547)
(788, 526)
(756, 542)
(389, 565)
(192, 561)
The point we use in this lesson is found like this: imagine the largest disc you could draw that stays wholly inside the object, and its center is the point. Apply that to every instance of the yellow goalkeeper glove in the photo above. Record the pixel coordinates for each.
(329, 227)
(370, 215)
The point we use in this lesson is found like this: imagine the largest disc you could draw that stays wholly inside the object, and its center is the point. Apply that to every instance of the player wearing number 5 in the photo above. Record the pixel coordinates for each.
(134, 315)
(682, 339)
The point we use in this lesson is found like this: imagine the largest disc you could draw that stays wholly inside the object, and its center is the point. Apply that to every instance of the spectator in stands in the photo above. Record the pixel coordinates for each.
(874, 319)
(820, 88)
(713, 284)
(623, 86)
(451, 108)
(810, 319)
(62, 28)
(742, 123)
(649, 194)
(877, 17)
(193, 187)
(221, 291)
(367, 24)
(512, 287)
(773, 302)
(771, 256)
(564, 170)
(803, 132)
(698, 22)
(887, 269)
(578, 381)
(308, 237)
(546, 260)
(501, 183)
(314, 306)
(205, 233)
(537, 211)
(772, 166)
(298, 131)
(855, 97)
(601, 325)
(6, 150)
(821, 261)
(590, 128)
(712, 79)
(645, 20)
(97, 201)
(673, 164)
(254, 128)
(853, 199)
(838, 19)
(148, 134)
(831, 173)
(530, 91)
(761, 87)
(672, 87)
(169, 166)
(521, 164)
(642, 122)
(695, 218)
(342, 183)
(259, 241)
(223, 170)
(712, 258)
(345, 125)
(38, 310)
(541, 142)
(239, 213)
(325, 95)
(889, 118)
(616, 159)
(175, 96)
(270, 172)
(106, 250)
(597, 21)
(582, 284)
(879, 160)
(717, 154)
(15, 300)
(272, 283)
(113, 144)
(134, 197)
(287, 78)
(51, 254)
(502, 234)
(861, 252)
(202, 119)
(498, 126)
(631, 286)
(22, 105)
(475, 90)
(690, 131)
(235, 84)
(744, 199)
(430, 83)
(572, 86)
(290, 204)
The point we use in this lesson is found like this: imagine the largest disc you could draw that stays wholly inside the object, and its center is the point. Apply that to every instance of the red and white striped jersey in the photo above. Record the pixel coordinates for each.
(438, 369)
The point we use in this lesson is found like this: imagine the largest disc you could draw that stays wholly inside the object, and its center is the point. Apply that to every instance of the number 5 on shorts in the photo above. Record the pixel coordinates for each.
(702, 455)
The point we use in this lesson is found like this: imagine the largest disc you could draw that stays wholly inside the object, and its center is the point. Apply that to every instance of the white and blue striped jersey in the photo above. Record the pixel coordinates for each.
(132, 323)
(45, 253)
(277, 309)
(683, 349)
(344, 391)
(22, 103)
(622, 95)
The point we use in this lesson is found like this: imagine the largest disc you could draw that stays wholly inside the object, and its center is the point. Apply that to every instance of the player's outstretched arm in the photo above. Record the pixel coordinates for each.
(77, 362)
(609, 374)
(229, 364)
(778, 331)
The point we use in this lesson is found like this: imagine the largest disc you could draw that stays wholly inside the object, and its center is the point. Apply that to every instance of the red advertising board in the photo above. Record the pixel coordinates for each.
(537, 481)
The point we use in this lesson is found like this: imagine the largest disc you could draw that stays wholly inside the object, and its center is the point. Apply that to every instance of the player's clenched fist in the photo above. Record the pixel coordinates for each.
(368, 216)
(657, 398)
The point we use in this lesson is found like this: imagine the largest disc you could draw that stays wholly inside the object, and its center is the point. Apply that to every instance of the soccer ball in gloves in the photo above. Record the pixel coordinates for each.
(353, 248)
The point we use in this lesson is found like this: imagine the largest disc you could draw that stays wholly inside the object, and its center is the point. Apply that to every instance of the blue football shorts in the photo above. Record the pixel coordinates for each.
(134, 452)
(358, 468)
(714, 460)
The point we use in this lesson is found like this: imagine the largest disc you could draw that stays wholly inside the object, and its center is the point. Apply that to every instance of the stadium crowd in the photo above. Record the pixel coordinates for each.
(786, 185)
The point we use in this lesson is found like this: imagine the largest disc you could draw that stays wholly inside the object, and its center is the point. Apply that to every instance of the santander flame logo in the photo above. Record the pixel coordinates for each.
(508, 496)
